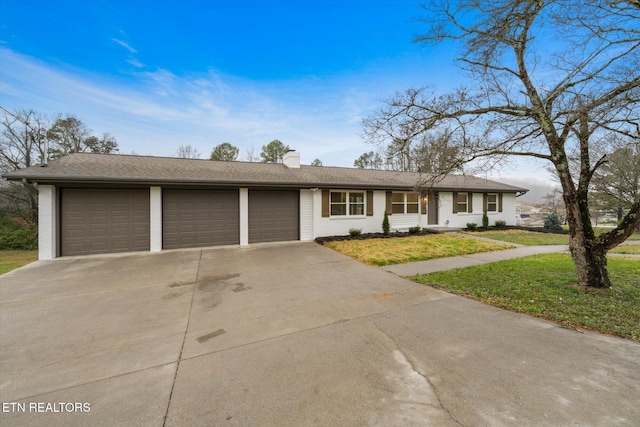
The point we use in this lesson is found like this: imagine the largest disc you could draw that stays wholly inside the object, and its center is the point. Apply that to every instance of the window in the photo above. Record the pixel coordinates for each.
(462, 202)
(492, 203)
(347, 203)
(404, 203)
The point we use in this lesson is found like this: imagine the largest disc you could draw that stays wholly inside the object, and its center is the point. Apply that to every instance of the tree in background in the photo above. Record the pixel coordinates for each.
(617, 182)
(370, 160)
(273, 152)
(69, 135)
(23, 143)
(551, 80)
(225, 152)
(27, 138)
(187, 152)
(316, 162)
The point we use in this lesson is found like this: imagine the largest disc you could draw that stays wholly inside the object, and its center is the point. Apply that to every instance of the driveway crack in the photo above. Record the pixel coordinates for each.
(184, 339)
(415, 369)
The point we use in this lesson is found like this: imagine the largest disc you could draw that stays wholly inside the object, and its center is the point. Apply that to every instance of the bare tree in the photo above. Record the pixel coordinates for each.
(550, 79)
(23, 142)
(187, 152)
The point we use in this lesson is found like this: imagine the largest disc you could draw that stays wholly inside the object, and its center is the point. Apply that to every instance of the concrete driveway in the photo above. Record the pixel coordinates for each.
(288, 335)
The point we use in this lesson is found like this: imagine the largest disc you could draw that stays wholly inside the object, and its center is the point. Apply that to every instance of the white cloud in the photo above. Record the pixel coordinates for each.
(125, 45)
(161, 110)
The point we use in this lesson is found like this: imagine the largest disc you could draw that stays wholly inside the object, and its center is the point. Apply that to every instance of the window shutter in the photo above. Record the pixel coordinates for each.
(369, 203)
(485, 199)
(500, 202)
(423, 203)
(470, 202)
(388, 207)
(455, 202)
(325, 203)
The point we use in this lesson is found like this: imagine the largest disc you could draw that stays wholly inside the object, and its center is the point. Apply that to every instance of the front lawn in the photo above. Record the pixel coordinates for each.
(399, 250)
(523, 237)
(533, 238)
(12, 259)
(626, 249)
(545, 286)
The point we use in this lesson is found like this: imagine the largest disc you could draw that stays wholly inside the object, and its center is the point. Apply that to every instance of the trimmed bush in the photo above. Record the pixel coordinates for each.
(415, 230)
(485, 220)
(472, 226)
(501, 224)
(386, 228)
(553, 222)
(355, 232)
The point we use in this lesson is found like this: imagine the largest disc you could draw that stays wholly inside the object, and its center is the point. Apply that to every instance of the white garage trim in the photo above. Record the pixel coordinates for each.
(47, 222)
(155, 215)
(244, 216)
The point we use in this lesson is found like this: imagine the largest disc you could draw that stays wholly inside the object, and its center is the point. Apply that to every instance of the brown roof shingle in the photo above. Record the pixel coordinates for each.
(116, 168)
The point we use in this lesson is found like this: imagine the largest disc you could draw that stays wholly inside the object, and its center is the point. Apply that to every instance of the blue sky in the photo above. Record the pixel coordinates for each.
(158, 74)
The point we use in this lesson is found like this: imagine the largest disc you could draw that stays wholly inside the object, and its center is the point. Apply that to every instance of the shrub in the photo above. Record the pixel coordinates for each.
(501, 224)
(355, 232)
(17, 235)
(415, 230)
(553, 222)
(485, 220)
(472, 226)
(386, 228)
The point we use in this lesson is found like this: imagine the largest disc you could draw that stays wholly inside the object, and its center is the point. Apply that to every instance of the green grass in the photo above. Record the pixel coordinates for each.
(399, 250)
(627, 249)
(523, 237)
(532, 238)
(545, 286)
(12, 259)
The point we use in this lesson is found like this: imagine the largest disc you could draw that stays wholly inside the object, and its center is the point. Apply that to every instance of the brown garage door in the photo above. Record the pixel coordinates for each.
(97, 221)
(197, 218)
(274, 216)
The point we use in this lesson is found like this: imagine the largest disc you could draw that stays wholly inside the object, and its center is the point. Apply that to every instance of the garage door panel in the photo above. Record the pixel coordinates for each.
(198, 218)
(95, 221)
(274, 216)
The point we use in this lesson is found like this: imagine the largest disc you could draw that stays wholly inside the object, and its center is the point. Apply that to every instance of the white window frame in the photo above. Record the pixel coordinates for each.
(495, 209)
(405, 203)
(348, 204)
(466, 203)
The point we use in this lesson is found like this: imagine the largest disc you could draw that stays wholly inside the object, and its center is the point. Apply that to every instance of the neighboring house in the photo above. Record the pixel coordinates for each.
(95, 203)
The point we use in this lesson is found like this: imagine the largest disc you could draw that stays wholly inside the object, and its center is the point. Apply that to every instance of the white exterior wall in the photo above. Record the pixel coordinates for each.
(244, 216)
(47, 222)
(460, 220)
(306, 214)
(155, 219)
(339, 226)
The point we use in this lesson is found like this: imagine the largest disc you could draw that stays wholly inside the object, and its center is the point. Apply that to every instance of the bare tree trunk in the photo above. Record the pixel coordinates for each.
(591, 262)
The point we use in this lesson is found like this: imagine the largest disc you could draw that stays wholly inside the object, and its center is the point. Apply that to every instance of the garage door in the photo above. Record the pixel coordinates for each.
(197, 218)
(103, 221)
(274, 216)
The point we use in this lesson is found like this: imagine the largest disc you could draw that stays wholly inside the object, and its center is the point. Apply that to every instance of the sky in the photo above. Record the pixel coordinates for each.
(160, 74)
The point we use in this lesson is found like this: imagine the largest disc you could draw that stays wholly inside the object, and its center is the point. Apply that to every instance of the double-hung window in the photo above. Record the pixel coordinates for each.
(492, 202)
(347, 203)
(462, 202)
(404, 203)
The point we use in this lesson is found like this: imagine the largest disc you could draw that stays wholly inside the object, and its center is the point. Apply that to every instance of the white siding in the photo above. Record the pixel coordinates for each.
(339, 226)
(47, 222)
(460, 220)
(306, 215)
(155, 219)
(402, 222)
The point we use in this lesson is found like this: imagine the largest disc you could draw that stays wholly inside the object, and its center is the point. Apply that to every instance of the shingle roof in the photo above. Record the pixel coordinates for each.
(112, 168)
